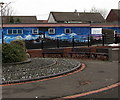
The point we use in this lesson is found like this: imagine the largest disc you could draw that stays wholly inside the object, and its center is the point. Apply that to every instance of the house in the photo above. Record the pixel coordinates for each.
(19, 19)
(60, 25)
(113, 16)
(42, 21)
(75, 17)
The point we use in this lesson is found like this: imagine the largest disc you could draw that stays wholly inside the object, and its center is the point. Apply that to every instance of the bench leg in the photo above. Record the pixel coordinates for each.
(43, 55)
(71, 55)
(88, 55)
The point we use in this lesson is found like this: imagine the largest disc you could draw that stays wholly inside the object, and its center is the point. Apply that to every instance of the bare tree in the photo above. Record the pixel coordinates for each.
(7, 10)
(102, 11)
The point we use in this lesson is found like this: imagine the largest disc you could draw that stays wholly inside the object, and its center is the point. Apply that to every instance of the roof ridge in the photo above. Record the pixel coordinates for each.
(18, 16)
(75, 12)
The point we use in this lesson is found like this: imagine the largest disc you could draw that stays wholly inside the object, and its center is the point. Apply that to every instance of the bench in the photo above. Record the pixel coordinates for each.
(81, 51)
(53, 52)
(102, 52)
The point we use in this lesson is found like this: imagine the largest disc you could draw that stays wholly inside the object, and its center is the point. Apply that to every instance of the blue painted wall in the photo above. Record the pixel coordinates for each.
(79, 33)
(27, 34)
(0, 36)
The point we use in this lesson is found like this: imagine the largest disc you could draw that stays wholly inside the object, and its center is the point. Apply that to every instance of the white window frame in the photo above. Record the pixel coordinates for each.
(8, 30)
(21, 30)
(66, 30)
(53, 30)
(15, 30)
(14, 33)
(35, 31)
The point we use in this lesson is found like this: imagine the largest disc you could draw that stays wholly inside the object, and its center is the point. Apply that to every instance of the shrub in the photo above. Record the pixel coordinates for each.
(18, 42)
(13, 53)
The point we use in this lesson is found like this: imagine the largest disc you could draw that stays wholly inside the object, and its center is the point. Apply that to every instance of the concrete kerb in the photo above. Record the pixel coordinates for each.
(79, 66)
(23, 62)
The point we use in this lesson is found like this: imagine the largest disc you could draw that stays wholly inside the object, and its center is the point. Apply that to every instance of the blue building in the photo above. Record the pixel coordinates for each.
(60, 25)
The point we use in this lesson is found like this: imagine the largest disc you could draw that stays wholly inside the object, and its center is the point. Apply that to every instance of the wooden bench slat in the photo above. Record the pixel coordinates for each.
(53, 51)
(85, 51)
(101, 52)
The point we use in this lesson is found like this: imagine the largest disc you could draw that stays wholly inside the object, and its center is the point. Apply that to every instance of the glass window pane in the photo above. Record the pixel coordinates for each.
(35, 31)
(20, 31)
(14, 31)
(51, 31)
(10, 31)
(67, 30)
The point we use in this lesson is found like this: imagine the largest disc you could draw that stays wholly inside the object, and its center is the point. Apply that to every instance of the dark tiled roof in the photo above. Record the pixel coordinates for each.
(19, 19)
(78, 16)
(113, 16)
(42, 21)
(116, 11)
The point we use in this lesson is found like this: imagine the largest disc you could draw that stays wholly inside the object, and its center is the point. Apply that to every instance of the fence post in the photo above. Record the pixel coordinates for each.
(42, 43)
(57, 42)
(103, 39)
(73, 42)
(88, 41)
(116, 38)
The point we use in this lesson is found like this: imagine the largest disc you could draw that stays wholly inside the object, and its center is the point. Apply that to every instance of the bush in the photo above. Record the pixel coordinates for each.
(13, 52)
(18, 42)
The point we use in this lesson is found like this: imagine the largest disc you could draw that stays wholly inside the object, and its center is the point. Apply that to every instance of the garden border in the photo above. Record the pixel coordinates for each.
(15, 63)
(43, 77)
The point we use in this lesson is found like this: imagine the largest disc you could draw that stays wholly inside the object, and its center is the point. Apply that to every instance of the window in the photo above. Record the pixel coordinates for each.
(67, 30)
(9, 31)
(20, 31)
(14, 31)
(35, 31)
(51, 31)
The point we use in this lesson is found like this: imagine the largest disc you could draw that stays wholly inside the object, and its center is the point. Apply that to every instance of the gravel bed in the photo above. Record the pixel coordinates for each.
(38, 67)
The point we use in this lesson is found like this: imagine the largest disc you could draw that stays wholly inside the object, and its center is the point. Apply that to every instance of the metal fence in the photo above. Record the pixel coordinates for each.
(83, 40)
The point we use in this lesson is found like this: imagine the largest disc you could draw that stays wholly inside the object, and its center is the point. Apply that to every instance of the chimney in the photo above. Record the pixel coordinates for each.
(75, 10)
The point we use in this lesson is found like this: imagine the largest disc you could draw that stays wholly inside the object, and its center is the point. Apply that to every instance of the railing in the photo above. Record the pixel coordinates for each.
(74, 41)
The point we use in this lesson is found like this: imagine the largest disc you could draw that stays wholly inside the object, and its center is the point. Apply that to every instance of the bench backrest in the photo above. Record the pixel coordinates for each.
(102, 50)
(81, 50)
(53, 50)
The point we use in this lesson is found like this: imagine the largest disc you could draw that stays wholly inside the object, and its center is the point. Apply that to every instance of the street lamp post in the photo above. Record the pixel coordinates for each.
(1, 20)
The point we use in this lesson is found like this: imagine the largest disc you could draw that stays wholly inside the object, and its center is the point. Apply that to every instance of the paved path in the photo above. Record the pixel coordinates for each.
(97, 74)
(111, 93)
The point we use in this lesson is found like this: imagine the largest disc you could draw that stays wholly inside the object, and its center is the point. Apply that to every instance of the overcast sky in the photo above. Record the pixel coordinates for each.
(41, 8)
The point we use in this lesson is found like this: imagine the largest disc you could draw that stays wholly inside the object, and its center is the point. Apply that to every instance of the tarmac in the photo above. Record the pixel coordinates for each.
(96, 75)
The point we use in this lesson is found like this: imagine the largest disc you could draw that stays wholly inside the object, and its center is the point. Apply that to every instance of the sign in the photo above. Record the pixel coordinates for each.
(96, 31)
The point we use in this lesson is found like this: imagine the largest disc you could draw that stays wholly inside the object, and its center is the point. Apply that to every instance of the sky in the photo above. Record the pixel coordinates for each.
(42, 8)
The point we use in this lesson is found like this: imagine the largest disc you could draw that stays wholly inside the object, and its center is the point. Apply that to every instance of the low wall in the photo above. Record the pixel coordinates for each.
(114, 52)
